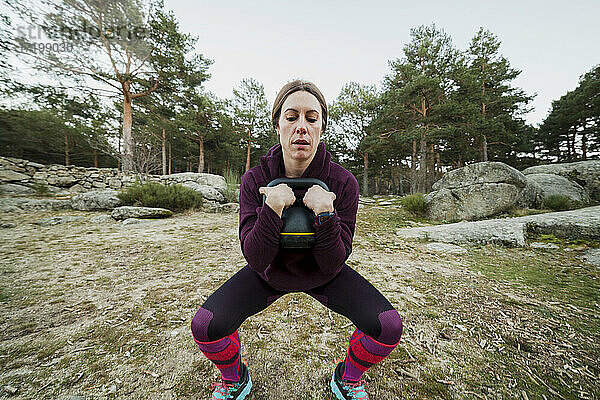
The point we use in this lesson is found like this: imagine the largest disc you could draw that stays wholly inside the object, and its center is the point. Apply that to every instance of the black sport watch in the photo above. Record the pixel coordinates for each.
(324, 216)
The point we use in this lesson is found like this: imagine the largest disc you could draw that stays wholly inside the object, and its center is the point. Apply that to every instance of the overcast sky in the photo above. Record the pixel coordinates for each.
(334, 42)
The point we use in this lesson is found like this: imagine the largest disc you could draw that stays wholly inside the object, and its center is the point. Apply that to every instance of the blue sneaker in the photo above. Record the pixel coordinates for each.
(226, 390)
(347, 390)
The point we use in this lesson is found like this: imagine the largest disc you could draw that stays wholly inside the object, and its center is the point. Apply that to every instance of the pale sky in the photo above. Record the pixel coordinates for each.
(335, 42)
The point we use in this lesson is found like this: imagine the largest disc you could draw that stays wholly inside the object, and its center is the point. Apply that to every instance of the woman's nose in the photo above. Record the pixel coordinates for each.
(301, 127)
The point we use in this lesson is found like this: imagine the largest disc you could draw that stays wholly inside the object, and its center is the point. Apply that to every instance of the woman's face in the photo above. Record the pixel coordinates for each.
(300, 126)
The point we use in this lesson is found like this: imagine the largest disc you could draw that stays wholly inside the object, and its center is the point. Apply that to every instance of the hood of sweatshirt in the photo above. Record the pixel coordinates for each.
(272, 165)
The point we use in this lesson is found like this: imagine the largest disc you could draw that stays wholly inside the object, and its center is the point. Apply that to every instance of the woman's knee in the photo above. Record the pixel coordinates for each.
(207, 327)
(200, 324)
(391, 327)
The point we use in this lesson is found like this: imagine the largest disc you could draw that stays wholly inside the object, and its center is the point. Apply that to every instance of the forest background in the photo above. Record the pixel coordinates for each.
(126, 88)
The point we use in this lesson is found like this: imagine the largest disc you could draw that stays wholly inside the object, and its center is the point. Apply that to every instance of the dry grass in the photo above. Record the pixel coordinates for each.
(104, 311)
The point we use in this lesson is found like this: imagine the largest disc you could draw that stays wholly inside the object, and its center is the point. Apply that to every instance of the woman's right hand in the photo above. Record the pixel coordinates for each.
(279, 197)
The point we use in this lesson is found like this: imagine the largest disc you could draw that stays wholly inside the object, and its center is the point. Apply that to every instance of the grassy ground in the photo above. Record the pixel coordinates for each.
(103, 311)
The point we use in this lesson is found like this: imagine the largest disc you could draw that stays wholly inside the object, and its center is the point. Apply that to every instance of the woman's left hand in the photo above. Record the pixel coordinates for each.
(319, 200)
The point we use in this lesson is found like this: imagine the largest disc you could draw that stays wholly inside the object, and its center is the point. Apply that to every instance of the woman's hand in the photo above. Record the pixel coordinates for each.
(319, 200)
(279, 197)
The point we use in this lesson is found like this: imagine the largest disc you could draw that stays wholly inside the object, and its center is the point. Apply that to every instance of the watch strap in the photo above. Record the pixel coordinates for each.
(324, 216)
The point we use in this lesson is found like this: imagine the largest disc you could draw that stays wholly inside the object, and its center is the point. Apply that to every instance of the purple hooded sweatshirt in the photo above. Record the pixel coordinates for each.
(260, 226)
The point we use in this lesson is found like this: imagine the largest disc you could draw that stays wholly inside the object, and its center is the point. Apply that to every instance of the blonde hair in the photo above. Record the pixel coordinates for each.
(296, 86)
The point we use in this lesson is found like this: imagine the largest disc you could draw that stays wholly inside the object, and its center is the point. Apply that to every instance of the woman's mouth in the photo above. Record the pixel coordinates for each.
(301, 143)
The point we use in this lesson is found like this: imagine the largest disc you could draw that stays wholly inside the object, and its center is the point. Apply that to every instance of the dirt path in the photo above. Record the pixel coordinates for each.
(103, 311)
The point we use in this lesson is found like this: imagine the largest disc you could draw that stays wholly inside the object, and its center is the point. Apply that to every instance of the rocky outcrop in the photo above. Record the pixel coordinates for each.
(540, 186)
(584, 173)
(22, 177)
(513, 232)
(475, 191)
(24, 204)
(96, 200)
(126, 212)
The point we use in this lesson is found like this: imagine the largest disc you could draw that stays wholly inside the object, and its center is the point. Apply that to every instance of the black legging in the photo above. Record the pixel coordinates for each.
(246, 294)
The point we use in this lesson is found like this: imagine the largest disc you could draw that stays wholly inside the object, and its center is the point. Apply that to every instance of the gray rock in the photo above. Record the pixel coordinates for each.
(592, 256)
(57, 220)
(125, 212)
(229, 208)
(96, 200)
(507, 233)
(77, 189)
(208, 192)
(65, 181)
(35, 165)
(474, 191)
(471, 202)
(216, 181)
(102, 219)
(71, 397)
(6, 225)
(445, 248)
(6, 175)
(9, 208)
(541, 245)
(585, 173)
(13, 189)
(583, 223)
(479, 173)
(133, 221)
(35, 204)
(540, 186)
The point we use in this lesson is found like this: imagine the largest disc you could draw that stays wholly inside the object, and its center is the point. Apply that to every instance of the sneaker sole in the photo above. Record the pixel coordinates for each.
(335, 390)
(246, 390)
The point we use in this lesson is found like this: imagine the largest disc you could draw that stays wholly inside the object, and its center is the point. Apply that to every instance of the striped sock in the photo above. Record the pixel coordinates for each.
(363, 353)
(225, 354)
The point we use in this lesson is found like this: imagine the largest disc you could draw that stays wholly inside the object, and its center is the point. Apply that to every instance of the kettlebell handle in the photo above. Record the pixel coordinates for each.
(297, 183)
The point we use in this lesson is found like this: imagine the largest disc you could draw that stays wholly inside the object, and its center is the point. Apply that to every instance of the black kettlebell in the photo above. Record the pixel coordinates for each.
(298, 231)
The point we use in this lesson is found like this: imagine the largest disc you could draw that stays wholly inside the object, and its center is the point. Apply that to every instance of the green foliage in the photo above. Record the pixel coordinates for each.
(172, 197)
(233, 184)
(571, 130)
(415, 203)
(558, 202)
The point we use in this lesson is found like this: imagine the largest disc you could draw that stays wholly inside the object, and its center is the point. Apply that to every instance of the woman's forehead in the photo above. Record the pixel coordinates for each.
(301, 101)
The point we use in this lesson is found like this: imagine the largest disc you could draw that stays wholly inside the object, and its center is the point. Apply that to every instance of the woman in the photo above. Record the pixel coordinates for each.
(299, 117)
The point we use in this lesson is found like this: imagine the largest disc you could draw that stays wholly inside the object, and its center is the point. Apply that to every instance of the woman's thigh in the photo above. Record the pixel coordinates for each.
(351, 295)
(241, 296)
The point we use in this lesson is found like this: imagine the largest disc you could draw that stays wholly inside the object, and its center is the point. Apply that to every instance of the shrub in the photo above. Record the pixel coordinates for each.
(558, 202)
(233, 184)
(150, 194)
(415, 203)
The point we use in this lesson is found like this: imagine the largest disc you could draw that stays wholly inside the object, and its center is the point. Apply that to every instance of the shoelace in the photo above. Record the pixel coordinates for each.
(223, 389)
(356, 388)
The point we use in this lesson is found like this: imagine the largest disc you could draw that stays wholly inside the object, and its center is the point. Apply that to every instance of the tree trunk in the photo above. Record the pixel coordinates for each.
(201, 155)
(422, 163)
(127, 155)
(66, 149)
(366, 174)
(170, 159)
(413, 168)
(248, 155)
(95, 158)
(164, 152)
(584, 146)
(484, 151)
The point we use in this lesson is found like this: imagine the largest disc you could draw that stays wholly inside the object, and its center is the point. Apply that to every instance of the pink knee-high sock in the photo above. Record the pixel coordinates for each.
(363, 353)
(225, 354)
